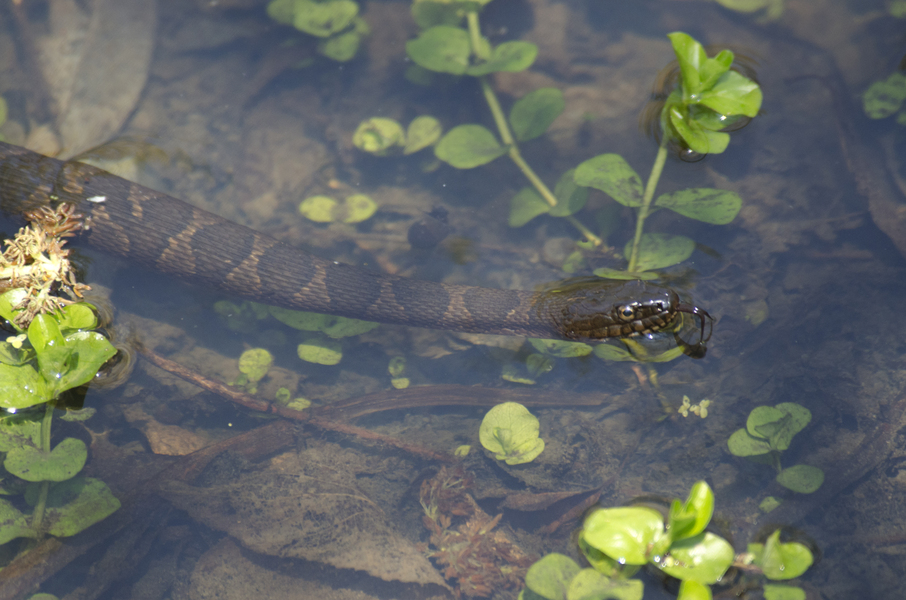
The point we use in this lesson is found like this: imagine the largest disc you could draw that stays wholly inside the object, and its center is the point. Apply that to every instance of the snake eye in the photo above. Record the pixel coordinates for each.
(627, 312)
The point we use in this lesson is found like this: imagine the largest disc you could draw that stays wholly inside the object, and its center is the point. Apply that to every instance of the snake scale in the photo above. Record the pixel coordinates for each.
(171, 236)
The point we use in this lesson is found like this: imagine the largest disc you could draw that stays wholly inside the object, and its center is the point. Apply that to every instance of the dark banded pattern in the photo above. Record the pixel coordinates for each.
(167, 234)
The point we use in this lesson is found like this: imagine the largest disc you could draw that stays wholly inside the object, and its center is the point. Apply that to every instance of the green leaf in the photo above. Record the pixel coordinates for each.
(561, 348)
(713, 68)
(571, 198)
(342, 47)
(525, 206)
(340, 327)
(625, 534)
(693, 590)
(357, 208)
(690, 55)
(696, 137)
(625, 275)
(77, 504)
(660, 250)
(550, 576)
(743, 444)
(802, 479)
(781, 561)
(538, 364)
(718, 207)
(423, 131)
(300, 319)
(442, 48)
(23, 386)
(775, 591)
(884, 98)
(8, 300)
(255, 363)
(61, 463)
(11, 355)
(77, 316)
(320, 351)
(510, 431)
(613, 353)
(19, 430)
(282, 11)
(733, 94)
(779, 424)
(696, 512)
(533, 113)
(377, 136)
(428, 13)
(703, 558)
(468, 146)
(589, 584)
(13, 523)
(324, 18)
(611, 174)
(90, 351)
(509, 56)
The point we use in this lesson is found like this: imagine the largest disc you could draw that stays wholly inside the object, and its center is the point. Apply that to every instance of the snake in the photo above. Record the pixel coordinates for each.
(164, 233)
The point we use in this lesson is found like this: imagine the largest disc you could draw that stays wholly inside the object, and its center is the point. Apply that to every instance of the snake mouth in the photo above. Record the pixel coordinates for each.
(702, 315)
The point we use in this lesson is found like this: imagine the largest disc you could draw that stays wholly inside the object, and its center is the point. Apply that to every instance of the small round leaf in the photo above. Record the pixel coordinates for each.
(660, 250)
(442, 48)
(611, 174)
(525, 206)
(60, 464)
(533, 113)
(468, 146)
(803, 479)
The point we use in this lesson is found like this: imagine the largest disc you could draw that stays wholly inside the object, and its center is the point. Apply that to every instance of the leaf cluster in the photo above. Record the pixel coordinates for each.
(336, 22)
(768, 432)
(510, 431)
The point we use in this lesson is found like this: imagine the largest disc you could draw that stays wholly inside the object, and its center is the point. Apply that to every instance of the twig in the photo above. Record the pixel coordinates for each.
(287, 413)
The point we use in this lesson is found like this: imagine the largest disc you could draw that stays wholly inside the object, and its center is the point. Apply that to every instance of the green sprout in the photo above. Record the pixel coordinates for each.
(768, 432)
(510, 431)
(617, 542)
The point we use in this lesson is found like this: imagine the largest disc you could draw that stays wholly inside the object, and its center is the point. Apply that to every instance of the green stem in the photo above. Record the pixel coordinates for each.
(507, 136)
(653, 179)
(37, 518)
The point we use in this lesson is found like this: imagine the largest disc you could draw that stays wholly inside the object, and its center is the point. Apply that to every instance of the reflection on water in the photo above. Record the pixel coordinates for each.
(804, 285)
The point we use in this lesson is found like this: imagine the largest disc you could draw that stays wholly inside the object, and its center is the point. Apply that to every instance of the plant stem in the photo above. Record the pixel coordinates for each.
(38, 515)
(506, 135)
(653, 179)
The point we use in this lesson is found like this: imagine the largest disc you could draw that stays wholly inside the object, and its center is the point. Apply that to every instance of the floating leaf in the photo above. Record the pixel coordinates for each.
(589, 584)
(441, 48)
(320, 351)
(533, 113)
(884, 98)
(77, 504)
(660, 250)
(525, 206)
(694, 135)
(509, 56)
(703, 558)
(77, 316)
(781, 561)
(324, 18)
(23, 387)
(378, 135)
(423, 132)
(571, 198)
(733, 94)
(561, 348)
(61, 463)
(704, 204)
(510, 431)
(468, 146)
(693, 590)
(611, 174)
(803, 479)
(625, 534)
(779, 424)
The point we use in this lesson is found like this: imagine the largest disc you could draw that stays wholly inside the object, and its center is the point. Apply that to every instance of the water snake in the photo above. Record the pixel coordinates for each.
(169, 235)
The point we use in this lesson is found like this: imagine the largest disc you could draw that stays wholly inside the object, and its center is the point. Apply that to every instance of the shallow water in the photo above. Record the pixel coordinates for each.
(804, 285)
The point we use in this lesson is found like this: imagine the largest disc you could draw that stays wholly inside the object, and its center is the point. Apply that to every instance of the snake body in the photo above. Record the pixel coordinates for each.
(169, 235)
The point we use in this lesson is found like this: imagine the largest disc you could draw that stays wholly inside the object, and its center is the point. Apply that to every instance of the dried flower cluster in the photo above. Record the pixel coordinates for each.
(476, 559)
(36, 261)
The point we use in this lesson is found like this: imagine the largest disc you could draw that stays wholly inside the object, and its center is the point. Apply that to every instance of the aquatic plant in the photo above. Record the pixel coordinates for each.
(510, 432)
(336, 22)
(768, 432)
(617, 542)
(886, 97)
(54, 350)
